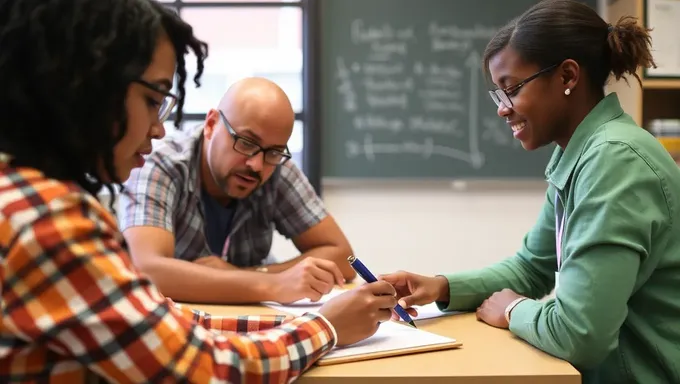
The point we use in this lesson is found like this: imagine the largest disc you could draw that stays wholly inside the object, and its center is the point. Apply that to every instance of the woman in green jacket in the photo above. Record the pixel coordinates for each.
(608, 236)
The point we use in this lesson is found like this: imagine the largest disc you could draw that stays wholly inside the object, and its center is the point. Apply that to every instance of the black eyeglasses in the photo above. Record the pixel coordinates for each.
(503, 95)
(168, 103)
(248, 147)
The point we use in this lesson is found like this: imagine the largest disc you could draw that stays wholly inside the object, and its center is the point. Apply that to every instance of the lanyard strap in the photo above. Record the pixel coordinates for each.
(225, 248)
(559, 227)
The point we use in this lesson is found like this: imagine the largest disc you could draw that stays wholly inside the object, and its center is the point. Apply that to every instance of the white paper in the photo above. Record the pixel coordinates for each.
(430, 311)
(390, 336)
(303, 306)
(663, 16)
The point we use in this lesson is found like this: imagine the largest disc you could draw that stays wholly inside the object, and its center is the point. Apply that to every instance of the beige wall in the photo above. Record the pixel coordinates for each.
(431, 230)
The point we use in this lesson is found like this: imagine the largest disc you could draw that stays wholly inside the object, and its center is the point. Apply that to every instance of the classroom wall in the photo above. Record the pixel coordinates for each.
(431, 229)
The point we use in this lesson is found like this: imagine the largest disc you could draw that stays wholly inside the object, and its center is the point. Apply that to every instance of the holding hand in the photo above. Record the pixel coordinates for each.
(357, 313)
(311, 278)
(492, 310)
(413, 289)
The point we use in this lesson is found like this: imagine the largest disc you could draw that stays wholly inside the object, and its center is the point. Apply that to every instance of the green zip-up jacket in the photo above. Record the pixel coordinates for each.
(615, 315)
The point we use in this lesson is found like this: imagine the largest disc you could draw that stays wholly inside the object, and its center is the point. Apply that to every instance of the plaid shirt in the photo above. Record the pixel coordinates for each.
(166, 193)
(74, 308)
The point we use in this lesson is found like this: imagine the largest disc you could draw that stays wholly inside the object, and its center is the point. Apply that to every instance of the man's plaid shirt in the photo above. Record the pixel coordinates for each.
(166, 193)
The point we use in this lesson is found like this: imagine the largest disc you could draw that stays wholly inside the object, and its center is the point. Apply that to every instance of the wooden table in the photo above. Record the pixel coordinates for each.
(488, 355)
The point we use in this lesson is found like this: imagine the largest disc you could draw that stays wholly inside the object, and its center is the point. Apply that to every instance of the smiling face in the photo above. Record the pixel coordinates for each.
(143, 102)
(537, 115)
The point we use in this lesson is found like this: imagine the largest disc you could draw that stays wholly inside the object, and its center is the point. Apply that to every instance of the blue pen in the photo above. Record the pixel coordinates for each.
(368, 276)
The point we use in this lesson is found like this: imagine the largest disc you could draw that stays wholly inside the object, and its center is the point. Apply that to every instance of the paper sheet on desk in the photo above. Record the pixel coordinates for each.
(431, 311)
(303, 306)
(300, 307)
(390, 337)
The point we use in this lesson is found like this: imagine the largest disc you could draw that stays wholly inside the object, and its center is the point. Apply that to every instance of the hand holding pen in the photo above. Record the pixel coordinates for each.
(357, 313)
(413, 289)
(365, 274)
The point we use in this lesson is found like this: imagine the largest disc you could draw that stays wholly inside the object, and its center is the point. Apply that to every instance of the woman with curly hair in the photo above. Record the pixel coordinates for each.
(86, 85)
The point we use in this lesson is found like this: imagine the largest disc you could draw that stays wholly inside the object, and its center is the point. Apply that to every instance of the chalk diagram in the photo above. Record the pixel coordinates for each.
(426, 148)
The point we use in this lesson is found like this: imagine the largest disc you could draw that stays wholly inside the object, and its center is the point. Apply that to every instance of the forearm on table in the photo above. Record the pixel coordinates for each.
(467, 290)
(182, 280)
(280, 354)
(333, 253)
(239, 324)
(573, 326)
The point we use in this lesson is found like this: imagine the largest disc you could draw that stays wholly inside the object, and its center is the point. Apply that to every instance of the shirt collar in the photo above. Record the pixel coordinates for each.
(196, 146)
(562, 162)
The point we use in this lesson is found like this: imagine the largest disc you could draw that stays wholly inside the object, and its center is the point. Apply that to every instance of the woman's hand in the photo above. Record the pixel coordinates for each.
(413, 289)
(492, 310)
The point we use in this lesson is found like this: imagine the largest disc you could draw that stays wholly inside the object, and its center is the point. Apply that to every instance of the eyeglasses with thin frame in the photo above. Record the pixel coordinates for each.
(168, 103)
(503, 95)
(250, 148)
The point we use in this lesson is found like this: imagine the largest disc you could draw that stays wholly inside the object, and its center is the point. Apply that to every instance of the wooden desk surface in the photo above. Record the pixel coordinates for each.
(488, 355)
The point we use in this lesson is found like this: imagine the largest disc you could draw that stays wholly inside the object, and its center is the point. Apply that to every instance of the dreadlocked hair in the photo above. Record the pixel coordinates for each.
(65, 67)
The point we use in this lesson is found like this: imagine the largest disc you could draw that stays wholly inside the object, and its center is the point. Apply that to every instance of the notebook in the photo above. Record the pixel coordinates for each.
(392, 338)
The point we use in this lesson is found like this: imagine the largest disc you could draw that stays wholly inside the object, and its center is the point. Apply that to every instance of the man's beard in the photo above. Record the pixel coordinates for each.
(248, 172)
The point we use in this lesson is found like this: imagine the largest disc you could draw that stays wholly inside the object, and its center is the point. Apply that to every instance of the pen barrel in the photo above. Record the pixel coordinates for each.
(402, 312)
(365, 274)
(361, 269)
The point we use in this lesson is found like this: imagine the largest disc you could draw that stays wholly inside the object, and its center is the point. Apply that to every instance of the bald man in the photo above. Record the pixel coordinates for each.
(198, 217)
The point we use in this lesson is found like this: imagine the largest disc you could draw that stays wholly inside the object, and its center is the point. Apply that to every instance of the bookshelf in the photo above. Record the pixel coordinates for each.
(657, 98)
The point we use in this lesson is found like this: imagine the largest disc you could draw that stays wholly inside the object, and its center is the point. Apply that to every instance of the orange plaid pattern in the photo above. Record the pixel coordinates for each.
(74, 307)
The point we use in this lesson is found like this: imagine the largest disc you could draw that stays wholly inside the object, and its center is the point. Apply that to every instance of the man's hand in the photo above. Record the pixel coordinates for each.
(311, 278)
(492, 310)
(215, 262)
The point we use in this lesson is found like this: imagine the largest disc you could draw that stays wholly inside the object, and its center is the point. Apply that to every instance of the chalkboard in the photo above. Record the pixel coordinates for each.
(404, 95)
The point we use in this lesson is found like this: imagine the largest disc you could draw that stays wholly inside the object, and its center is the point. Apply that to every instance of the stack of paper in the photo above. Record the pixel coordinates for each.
(391, 339)
(300, 307)
(303, 306)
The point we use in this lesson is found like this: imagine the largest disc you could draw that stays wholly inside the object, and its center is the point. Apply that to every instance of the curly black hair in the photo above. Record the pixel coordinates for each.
(65, 66)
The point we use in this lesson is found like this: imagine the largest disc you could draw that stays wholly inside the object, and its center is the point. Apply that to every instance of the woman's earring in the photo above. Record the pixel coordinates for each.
(567, 92)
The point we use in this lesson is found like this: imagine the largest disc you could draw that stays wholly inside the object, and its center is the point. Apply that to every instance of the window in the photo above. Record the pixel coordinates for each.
(247, 38)
(246, 42)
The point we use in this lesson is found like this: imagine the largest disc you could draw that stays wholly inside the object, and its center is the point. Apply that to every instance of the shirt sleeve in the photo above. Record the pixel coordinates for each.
(240, 324)
(298, 207)
(607, 237)
(530, 272)
(68, 285)
(148, 199)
